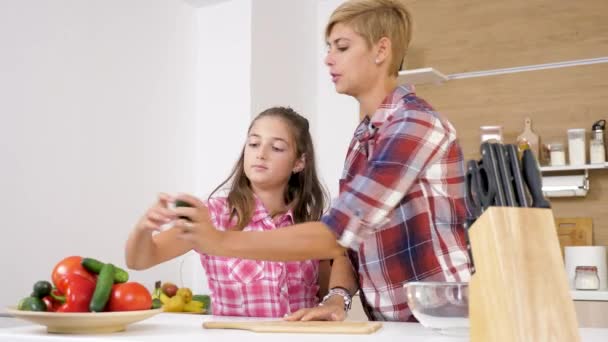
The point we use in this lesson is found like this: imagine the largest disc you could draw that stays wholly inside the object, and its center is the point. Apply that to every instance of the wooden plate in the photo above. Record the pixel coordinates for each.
(83, 322)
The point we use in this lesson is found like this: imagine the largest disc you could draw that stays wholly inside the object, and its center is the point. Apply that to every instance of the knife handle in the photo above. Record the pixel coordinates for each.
(534, 180)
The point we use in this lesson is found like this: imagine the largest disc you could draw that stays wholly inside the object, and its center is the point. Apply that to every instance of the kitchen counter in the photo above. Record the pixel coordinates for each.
(185, 327)
(599, 295)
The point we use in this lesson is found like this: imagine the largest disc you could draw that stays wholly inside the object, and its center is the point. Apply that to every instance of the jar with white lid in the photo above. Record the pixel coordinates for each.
(557, 155)
(586, 278)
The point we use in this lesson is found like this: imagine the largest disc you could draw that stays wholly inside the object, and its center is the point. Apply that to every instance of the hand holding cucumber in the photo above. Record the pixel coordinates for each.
(190, 209)
(195, 223)
(158, 215)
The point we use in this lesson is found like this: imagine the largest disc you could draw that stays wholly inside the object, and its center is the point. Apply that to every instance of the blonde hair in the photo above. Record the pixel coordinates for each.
(374, 19)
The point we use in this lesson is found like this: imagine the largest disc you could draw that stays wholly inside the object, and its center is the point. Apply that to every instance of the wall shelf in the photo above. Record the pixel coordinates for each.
(573, 167)
(599, 295)
(421, 76)
(432, 76)
(568, 185)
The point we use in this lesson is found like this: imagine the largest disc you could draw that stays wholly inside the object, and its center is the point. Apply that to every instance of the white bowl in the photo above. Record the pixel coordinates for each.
(441, 306)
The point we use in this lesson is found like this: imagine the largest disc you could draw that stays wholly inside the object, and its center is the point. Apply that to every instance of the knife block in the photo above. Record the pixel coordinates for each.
(519, 292)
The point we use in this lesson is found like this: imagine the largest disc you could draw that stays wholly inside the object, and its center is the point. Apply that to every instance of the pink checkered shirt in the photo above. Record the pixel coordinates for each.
(241, 287)
(401, 205)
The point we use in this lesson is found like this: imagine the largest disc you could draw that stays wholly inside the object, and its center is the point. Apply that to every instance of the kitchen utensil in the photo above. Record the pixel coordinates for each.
(504, 171)
(83, 322)
(489, 161)
(518, 180)
(310, 327)
(477, 196)
(574, 231)
(533, 180)
(441, 306)
(528, 136)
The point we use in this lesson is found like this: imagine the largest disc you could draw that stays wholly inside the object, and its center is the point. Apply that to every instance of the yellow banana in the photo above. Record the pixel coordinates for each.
(193, 306)
(164, 298)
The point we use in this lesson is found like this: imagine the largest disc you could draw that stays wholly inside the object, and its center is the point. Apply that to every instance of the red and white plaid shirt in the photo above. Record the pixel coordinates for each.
(241, 287)
(401, 206)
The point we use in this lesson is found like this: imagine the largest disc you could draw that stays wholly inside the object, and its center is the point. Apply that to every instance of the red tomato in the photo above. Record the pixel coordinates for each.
(129, 297)
(69, 265)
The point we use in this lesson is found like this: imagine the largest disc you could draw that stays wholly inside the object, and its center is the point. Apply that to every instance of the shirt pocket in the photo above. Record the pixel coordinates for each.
(245, 271)
(303, 272)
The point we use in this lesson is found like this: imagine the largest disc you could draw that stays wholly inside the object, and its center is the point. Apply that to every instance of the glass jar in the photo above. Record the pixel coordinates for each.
(586, 278)
(557, 155)
(577, 146)
(491, 133)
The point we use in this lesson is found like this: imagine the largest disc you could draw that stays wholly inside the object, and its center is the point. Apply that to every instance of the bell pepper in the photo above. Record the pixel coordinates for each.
(78, 293)
(51, 303)
(67, 266)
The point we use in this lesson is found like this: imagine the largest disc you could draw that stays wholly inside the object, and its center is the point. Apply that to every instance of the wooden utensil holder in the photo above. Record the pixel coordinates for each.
(519, 292)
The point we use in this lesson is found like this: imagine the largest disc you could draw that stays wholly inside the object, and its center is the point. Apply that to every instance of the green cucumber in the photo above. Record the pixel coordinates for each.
(180, 203)
(105, 280)
(31, 304)
(93, 265)
(42, 288)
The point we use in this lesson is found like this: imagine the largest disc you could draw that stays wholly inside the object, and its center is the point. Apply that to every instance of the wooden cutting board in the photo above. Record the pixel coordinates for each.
(313, 327)
(574, 231)
(528, 136)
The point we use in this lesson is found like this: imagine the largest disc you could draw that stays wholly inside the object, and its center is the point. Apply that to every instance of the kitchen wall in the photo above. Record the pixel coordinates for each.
(474, 35)
(105, 103)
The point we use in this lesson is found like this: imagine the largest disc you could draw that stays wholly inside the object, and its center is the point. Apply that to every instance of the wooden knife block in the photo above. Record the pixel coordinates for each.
(519, 292)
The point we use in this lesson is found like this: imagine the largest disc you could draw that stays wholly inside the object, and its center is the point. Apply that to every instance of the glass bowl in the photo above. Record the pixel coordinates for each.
(441, 306)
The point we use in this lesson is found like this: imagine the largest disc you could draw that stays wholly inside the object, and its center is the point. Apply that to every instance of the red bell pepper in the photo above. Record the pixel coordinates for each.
(69, 265)
(78, 293)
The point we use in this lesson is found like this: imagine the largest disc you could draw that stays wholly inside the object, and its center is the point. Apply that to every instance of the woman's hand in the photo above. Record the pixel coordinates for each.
(158, 215)
(195, 224)
(331, 310)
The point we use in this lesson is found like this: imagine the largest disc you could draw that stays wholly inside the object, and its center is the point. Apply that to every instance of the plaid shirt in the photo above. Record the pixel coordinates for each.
(401, 205)
(241, 287)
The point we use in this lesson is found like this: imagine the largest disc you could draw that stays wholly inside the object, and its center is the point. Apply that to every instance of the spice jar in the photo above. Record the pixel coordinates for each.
(557, 155)
(586, 278)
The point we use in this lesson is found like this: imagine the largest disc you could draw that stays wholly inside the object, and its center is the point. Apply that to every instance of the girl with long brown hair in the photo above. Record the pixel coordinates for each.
(274, 184)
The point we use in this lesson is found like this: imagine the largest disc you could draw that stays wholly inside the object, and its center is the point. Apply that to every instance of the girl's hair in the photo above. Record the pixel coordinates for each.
(374, 19)
(304, 193)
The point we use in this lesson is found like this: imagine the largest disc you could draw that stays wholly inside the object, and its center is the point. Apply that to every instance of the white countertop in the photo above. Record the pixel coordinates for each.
(596, 295)
(184, 327)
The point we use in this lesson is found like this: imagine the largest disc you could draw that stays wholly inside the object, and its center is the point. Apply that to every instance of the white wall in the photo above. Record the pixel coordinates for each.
(98, 113)
(284, 42)
(107, 102)
(223, 102)
(288, 49)
(337, 115)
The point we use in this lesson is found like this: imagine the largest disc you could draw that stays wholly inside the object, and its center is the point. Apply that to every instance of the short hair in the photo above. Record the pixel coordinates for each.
(374, 19)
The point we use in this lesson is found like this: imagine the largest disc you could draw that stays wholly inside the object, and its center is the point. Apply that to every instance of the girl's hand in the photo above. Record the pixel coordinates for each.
(158, 215)
(332, 310)
(195, 224)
